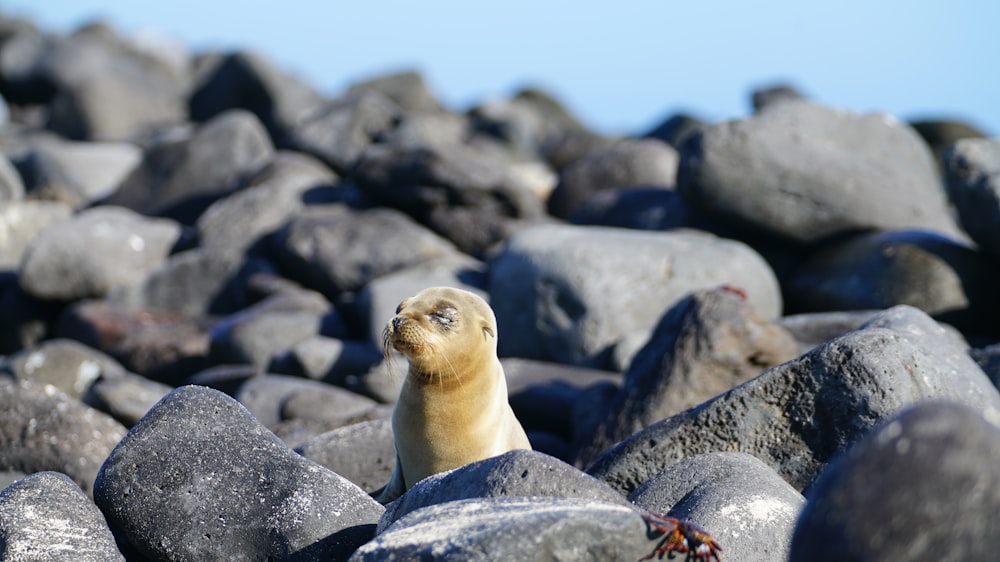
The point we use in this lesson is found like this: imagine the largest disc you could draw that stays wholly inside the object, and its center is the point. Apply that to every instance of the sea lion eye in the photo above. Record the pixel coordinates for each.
(444, 316)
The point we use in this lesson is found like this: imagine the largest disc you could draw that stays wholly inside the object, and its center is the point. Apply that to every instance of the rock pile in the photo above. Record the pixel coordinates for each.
(775, 327)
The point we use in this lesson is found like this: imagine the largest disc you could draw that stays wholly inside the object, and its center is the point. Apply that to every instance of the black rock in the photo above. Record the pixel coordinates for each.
(972, 171)
(949, 280)
(799, 415)
(364, 452)
(921, 487)
(625, 164)
(198, 478)
(274, 398)
(65, 364)
(183, 173)
(335, 249)
(46, 516)
(44, 429)
(704, 345)
(246, 80)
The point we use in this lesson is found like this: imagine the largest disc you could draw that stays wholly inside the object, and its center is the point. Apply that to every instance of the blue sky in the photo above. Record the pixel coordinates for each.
(621, 66)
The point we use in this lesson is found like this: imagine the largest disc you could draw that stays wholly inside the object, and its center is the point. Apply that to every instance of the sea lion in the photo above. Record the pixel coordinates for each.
(452, 408)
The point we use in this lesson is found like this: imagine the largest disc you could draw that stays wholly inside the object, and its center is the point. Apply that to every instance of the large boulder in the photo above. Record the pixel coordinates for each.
(972, 171)
(570, 294)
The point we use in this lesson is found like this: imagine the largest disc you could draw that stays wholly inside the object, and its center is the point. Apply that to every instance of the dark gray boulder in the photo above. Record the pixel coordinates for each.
(45, 516)
(407, 89)
(77, 173)
(334, 249)
(627, 163)
(126, 397)
(799, 415)
(747, 506)
(97, 250)
(43, 429)
(274, 398)
(185, 171)
(364, 452)
(248, 81)
(339, 131)
(570, 294)
(529, 529)
(949, 280)
(972, 174)
(704, 345)
(198, 478)
(266, 201)
(515, 474)
(261, 331)
(466, 194)
(329, 360)
(921, 487)
(805, 173)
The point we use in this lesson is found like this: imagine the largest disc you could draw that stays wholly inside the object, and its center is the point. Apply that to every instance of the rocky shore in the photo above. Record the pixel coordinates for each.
(780, 328)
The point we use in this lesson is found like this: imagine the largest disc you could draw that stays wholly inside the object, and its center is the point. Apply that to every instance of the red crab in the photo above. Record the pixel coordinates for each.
(681, 537)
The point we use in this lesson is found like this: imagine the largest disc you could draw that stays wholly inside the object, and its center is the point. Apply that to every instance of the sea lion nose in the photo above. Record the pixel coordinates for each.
(397, 323)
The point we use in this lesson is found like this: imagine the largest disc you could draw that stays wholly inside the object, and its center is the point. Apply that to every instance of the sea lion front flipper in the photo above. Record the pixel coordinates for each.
(395, 488)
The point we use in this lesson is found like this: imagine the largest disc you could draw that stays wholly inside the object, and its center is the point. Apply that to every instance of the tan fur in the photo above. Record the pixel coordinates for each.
(452, 408)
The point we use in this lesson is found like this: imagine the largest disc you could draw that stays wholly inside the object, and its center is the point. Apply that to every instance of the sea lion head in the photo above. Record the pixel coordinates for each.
(443, 332)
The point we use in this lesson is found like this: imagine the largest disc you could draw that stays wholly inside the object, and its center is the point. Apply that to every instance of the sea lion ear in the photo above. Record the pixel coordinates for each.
(488, 331)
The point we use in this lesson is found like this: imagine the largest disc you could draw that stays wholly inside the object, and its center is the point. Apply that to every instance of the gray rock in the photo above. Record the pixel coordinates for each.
(530, 529)
(274, 398)
(195, 282)
(706, 344)
(516, 474)
(44, 429)
(531, 124)
(972, 171)
(340, 130)
(270, 198)
(335, 250)
(78, 173)
(569, 294)
(642, 208)
(46, 516)
(805, 172)
(198, 478)
(377, 301)
(940, 134)
(383, 381)
(627, 163)
(21, 222)
(675, 129)
(746, 505)
(95, 251)
(26, 80)
(67, 365)
(436, 129)
(11, 185)
(922, 487)
(259, 332)
(106, 90)
(364, 452)
(329, 360)
(948, 280)
(182, 174)
(813, 328)
(246, 80)
(467, 194)
(766, 96)
(797, 416)
(126, 397)
(407, 89)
